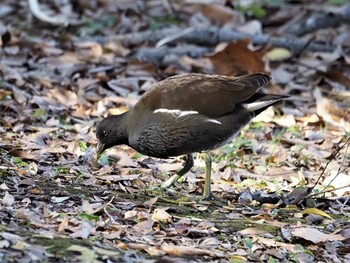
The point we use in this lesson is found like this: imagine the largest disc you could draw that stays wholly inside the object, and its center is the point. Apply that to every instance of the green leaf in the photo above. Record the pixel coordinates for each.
(136, 155)
(336, 2)
(40, 114)
(247, 243)
(89, 217)
(103, 159)
(82, 146)
(19, 162)
(238, 259)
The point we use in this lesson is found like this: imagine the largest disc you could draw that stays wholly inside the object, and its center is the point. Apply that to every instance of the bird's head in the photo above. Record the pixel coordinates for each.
(111, 131)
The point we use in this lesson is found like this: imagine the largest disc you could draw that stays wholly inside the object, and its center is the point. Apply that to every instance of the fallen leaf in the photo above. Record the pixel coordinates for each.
(145, 227)
(150, 202)
(88, 51)
(87, 254)
(278, 54)
(82, 231)
(286, 120)
(8, 199)
(314, 235)
(237, 59)
(60, 199)
(63, 225)
(160, 215)
(315, 211)
(186, 251)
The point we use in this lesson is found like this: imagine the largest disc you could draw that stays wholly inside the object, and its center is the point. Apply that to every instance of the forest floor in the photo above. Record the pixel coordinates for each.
(65, 65)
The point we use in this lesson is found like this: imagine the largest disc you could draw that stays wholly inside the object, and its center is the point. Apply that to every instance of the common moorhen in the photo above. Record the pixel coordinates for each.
(185, 114)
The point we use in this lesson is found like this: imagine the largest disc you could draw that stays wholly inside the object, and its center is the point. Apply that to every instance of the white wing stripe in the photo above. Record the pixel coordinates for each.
(176, 113)
(179, 114)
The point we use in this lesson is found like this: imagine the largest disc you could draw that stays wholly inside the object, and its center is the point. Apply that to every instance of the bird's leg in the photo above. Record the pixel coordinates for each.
(188, 165)
(207, 194)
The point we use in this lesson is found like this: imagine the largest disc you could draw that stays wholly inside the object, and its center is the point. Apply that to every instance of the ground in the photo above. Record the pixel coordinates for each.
(283, 182)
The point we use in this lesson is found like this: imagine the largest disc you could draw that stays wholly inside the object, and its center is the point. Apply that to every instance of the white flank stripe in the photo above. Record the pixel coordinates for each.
(214, 121)
(258, 105)
(176, 113)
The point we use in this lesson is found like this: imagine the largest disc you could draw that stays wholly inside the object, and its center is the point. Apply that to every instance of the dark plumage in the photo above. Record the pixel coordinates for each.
(186, 114)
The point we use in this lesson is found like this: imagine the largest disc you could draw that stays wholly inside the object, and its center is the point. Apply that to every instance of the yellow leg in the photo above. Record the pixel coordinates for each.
(207, 194)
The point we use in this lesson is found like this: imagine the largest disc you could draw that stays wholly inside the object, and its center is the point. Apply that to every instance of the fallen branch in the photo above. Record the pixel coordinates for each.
(158, 55)
(312, 21)
(212, 36)
(34, 7)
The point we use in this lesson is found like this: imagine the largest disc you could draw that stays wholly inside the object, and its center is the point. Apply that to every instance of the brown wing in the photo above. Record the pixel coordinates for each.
(211, 95)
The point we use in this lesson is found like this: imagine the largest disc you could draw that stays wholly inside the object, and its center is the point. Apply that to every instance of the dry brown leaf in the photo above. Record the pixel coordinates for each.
(186, 251)
(252, 231)
(28, 155)
(337, 76)
(144, 228)
(313, 118)
(150, 202)
(88, 51)
(130, 214)
(65, 97)
(285, 120)
(63, 225)
(330, 112)
(314, 235)
(160, 215)
(237, 59)
(221, 15)
(125, 160)
(273, 243)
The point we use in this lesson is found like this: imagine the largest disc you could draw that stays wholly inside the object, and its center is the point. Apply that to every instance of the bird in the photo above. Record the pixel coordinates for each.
(186, 114)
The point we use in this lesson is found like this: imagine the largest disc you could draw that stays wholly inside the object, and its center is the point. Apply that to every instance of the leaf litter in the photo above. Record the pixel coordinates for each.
(58, 82)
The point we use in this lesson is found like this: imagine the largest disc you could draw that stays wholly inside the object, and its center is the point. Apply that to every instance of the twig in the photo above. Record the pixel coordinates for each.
(331, 159)
(329, 190)
(341, 165)
(300, 141)
(300, 193)
(344, 204)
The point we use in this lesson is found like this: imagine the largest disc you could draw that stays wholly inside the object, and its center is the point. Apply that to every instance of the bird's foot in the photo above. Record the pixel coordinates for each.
(168, 183)
(155, 190)
(211, 197)
(208, 199)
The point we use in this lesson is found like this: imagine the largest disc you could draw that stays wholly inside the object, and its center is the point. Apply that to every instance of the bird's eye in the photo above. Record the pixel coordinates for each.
(104, 133)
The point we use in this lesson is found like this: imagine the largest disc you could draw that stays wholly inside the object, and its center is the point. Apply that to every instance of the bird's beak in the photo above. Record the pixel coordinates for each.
(100, 148)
